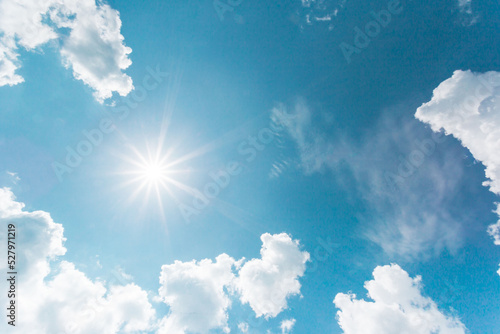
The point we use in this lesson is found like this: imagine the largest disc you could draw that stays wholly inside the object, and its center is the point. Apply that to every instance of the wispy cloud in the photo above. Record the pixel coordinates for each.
(405, 184)
(467, 106)
(14, 177)
(468, 16)
(318, 12)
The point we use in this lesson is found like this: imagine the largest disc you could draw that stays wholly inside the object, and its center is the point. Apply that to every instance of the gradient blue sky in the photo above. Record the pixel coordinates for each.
(342, 127)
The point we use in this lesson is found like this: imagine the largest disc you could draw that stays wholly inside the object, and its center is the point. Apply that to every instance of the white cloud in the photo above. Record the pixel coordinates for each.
(313, 12)
(93, 48)
(243, 327)
(14, 177)
(314, 148)
(198, 292)
(467, 106)
(56, 297)
(398, 307)
(195, 293)
(465, 6)
(266, 283)
(467, 16)
(394, 170)
(287, 325)
(494, 229)
(8, 63)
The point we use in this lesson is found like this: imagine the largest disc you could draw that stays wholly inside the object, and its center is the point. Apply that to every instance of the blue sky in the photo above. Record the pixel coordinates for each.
(211, 167)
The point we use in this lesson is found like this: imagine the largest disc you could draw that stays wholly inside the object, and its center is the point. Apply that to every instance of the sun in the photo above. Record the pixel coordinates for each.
(151, 171)
(154, 172)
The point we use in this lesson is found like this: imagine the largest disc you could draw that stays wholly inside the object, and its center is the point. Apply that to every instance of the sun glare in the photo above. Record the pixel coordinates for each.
(154, 172)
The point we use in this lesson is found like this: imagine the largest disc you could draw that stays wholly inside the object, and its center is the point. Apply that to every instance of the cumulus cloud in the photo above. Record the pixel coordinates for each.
(398, 307)
(266, 283)
(467, 106)
(287, 325)
(88, 33)
(198, 293)
(56, 297)
(393, 167)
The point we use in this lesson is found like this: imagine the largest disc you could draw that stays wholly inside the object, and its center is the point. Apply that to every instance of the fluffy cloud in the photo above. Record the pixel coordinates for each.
(398, 307)
(93, 48)
(56, 297)
(266, 283)
(198, 292)
(195, 292)
(467, 106)
(8, 63)
(393, 167)
(287, 325)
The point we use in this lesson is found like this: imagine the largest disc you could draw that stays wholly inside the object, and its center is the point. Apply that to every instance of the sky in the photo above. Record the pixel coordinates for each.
(229, 166)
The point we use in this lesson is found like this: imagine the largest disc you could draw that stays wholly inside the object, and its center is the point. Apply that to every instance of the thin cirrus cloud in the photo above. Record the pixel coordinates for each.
(396, 171)
(467, 106)
(465, 6)
(468, 17)
(93, 48)
(398, 307)
(58, 298)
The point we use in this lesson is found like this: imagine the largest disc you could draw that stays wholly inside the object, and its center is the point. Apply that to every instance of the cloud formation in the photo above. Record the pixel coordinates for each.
(198, 292)
(56, 297)
(196, 295)
(287, 326)
(398, 307)
(266, 283)
(404, 184)
(88, 33)
(467, 106)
